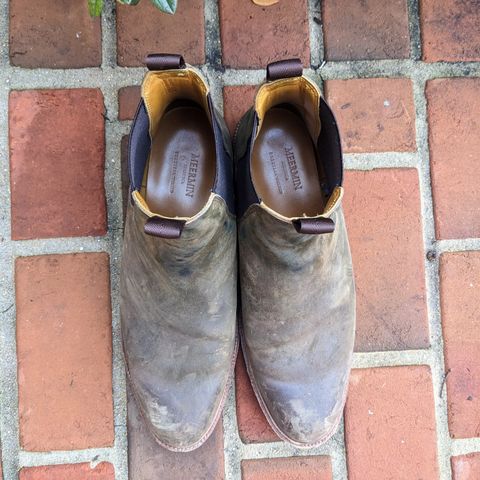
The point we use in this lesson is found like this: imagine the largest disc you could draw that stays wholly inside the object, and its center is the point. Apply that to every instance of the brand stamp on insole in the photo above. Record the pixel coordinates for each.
(184, 170)
(292, 166)
(275, 172)
(289, 168)
(192, 175)
(173, 172)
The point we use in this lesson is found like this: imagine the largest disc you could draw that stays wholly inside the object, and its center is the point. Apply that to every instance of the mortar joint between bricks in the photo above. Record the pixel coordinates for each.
(432, 282)
(4, 32)
(414, 29)
(213, 49)
(110, 78)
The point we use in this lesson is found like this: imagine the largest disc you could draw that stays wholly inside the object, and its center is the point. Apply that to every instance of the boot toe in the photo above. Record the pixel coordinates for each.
(180, 422)
(305, 417)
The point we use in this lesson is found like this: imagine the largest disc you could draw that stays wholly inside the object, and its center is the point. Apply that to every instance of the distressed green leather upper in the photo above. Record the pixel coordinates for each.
(298, 322)
(178, 315)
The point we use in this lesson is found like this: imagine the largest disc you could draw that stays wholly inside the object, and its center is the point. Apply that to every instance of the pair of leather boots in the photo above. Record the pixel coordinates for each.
(179, 270)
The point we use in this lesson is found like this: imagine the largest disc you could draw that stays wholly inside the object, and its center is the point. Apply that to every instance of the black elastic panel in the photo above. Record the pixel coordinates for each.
(329, 147)
(139, 147)
(223, 185)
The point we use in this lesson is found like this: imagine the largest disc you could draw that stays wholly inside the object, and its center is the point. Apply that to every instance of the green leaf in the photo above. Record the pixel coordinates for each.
(129, 2)
(167, 6)
(95, 7)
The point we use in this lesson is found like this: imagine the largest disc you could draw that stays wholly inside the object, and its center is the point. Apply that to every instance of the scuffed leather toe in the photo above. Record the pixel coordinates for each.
(178, 425)
(179, 324)
(306, 415)
(298, 330)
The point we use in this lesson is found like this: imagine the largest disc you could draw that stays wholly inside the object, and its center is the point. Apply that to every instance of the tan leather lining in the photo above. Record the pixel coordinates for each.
(161, 88)
(140, 202)
(332, 204)
(299, 92)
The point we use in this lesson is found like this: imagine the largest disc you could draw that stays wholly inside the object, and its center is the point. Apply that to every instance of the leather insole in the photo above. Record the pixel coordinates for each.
(284, 166)
(181, 169)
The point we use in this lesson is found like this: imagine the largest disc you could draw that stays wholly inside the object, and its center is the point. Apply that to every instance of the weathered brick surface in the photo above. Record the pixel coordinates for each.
(382, 210)
(367, 30)
(253, 36)
(149, 461)
(79, 471)
(128, 100)
(57, 148)
(459, 296)
(466, 467)
(374, 114)
(64, 351)
(56, 154)
(60, 34)
(450, 30)
(296, 468)
(236, 101)
(454, 139)
(144, 29)
(252, 424)
(390, 424)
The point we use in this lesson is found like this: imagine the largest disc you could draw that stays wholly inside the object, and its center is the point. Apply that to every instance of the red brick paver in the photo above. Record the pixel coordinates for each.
(144, 29)
(236, 101)
(466, 467)
(450, 30)
(459, 296)
(128, 100)
(252, 424)
(297, 468)
(149, 461)
(60, 34)
(57, 149)
(79, 471)
(367, 30)
(382, 209)
(390, 424)
(454, 138)
(56, 173)
(64, 351)
(374, 114)
(253, 36)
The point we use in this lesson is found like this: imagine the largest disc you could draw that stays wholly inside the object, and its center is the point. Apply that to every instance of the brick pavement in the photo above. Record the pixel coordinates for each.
(404, 79)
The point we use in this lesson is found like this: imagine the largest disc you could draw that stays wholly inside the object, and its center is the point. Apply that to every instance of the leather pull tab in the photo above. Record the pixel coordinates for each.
(164, 227)
(314, 226)
(291, 67)
(164, 61)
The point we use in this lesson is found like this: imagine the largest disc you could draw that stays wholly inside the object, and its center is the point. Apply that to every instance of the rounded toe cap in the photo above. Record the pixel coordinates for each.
(179, 423)
(176, 433)
(303, 416)
(303, 425)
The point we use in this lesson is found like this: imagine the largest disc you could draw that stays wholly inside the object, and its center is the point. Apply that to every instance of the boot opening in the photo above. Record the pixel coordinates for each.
(287, 173)
(180, 171)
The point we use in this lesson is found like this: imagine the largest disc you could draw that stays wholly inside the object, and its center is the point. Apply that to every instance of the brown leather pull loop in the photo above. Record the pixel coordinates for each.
(314, 226)
(284, 69)
(164, 227)
(164, 61)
